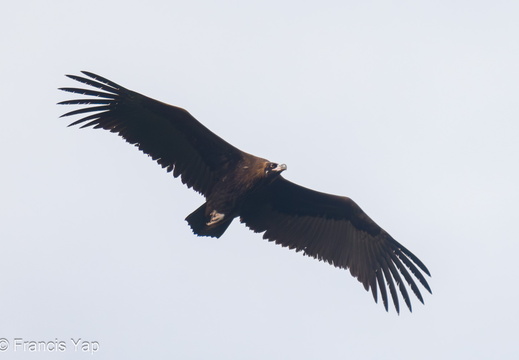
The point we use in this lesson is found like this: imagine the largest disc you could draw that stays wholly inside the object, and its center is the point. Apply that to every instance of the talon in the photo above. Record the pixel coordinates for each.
(215, 217)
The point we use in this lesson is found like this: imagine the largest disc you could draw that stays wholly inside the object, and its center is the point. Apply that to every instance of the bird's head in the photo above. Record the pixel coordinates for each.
(274, 169)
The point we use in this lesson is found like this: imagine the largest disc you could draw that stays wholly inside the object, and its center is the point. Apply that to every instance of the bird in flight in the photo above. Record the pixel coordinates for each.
(236, 184)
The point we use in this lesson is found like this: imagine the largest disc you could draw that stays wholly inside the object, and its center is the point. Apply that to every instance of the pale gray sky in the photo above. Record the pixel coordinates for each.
(409, 108)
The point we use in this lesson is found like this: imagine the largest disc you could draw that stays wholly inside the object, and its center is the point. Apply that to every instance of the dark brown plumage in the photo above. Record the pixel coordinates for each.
(236, 184)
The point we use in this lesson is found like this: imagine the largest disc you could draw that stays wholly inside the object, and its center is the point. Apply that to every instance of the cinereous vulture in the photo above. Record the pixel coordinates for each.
(236, 184)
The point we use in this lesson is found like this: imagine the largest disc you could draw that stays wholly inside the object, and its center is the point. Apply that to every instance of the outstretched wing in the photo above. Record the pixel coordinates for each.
(169, 134)
(336, 230)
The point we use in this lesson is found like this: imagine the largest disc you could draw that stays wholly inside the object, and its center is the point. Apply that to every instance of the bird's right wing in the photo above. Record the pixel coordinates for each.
(169, 134)
(335, 229)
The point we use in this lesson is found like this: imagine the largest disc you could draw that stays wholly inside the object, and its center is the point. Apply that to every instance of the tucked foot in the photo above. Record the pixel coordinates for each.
(215, 217)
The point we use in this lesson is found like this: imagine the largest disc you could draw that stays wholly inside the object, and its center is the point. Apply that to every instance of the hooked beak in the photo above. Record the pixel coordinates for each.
(280, 168)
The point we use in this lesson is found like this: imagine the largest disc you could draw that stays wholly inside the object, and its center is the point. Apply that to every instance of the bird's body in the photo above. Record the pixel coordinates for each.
(225, 200)
(237, 184)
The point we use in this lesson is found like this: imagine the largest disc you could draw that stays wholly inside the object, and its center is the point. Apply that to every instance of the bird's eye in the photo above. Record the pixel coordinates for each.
(269, 167)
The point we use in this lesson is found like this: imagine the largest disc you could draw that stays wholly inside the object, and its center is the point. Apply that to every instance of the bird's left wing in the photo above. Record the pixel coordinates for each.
(169, 134)
(335, 229)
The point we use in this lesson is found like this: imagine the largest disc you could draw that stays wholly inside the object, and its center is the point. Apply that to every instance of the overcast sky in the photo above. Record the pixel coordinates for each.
(410, 108)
